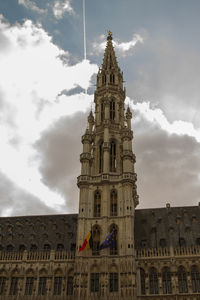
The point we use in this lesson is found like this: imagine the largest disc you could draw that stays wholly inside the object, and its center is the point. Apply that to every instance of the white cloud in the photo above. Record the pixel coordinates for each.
(123, 49)
(157, 116)
(61, 7)
(32, 78)
(32, 6)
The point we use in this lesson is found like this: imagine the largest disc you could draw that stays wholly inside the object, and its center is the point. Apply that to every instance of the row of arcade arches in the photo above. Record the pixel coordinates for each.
(166, 275)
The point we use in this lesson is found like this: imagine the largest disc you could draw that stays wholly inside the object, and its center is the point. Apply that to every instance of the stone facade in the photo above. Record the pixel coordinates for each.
(157, 254)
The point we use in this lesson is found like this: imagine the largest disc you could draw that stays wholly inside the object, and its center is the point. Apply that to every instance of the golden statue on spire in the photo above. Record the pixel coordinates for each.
(109, 37)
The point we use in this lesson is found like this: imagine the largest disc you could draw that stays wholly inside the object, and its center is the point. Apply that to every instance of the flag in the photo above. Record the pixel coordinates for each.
(88, 242)
(110, 241)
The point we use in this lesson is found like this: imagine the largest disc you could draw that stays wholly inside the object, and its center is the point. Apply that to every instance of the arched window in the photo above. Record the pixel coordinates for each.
(182, 242)
(153, 281)
(112, 78)
(166, 281)
(195, 277)
(69, 285)
(10, 248)
(113, 203)
(182, 280)
(60, 247)
(163, 243)
(96, 240)
(101, 157)
(113, 282)
(2, 285)
(57, 289)
(22, 248)
(94, 282)
(47, 247)
(102, 111)
(103, 79)
(112, 110)
(113, 156)
(113, 248)
(33, 247)
(142, 282)
(97, 204)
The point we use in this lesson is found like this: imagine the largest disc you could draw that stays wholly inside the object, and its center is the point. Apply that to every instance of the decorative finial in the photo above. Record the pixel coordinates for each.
(109, 37)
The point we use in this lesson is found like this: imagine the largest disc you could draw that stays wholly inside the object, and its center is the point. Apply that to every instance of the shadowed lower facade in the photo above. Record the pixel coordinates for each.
(156, 253)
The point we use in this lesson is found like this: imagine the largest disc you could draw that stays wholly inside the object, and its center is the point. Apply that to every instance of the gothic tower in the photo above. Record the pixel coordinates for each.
(108, 194)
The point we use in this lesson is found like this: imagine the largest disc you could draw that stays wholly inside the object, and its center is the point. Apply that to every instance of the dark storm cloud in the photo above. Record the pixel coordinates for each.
(59, 150)
(15, 201)
(168, 167)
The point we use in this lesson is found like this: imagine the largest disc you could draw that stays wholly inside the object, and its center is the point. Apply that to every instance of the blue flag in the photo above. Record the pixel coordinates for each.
(110, 241)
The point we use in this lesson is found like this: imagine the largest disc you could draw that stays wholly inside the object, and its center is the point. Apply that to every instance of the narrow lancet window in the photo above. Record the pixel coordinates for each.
(113, 157)
(166, 281)
(153, 281)
(195, 277)
(112, 110)
(182, 280)
(101, 157)
(113, 203)
(142, 282)
(112, 78)
(114, 248)
(102, 111)
(97, 204)
(96, 240)
(104, 79)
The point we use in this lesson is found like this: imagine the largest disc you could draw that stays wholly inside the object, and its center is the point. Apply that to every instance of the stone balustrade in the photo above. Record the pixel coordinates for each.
(167, 252)
(170, 297)
(36, 256)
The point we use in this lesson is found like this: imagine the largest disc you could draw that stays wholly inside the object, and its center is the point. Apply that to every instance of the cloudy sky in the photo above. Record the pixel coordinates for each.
(44, 108)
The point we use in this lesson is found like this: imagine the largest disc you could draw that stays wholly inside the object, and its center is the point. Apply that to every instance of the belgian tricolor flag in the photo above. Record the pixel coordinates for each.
(88, 242)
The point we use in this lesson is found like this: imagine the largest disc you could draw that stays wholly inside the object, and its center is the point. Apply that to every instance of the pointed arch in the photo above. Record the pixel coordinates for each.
(58, 280)
(101, 157)
(113, 203)
(103, 79)
(112, 78)
(97, 203)
(96, 232)
(114, 248)
(113, 161)
(112, 110)
(195, 278)
(182, 280)
(142, 281)
(94, 278)
(2, 284)
(153, 281)
(102, 111)
(166, 281)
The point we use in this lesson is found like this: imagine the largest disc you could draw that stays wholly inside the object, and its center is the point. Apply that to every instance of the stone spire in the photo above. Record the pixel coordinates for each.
(109, 60)
(110, 77)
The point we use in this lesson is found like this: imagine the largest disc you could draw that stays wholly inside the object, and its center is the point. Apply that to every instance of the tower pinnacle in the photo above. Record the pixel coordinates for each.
(109, 37)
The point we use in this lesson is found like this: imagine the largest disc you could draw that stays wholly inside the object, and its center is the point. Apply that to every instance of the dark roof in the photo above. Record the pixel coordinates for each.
(50, 230)
(167, 226)
(153, 228)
